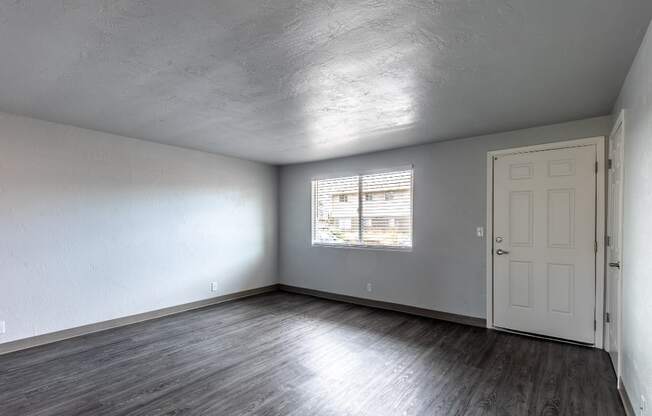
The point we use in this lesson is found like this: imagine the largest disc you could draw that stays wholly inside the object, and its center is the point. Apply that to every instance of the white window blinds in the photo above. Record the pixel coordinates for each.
(373, 210)
(335, 217)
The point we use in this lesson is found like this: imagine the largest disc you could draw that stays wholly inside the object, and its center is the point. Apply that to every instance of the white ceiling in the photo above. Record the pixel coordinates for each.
(284, 81)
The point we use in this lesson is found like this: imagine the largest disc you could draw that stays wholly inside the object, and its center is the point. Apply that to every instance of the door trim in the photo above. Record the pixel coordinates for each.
(599, 142)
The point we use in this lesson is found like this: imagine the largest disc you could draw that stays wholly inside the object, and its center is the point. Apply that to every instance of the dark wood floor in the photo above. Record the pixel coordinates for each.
(287, 354)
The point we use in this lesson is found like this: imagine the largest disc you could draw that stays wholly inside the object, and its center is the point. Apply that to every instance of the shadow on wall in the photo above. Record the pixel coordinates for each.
(138, 249)
(89, 236)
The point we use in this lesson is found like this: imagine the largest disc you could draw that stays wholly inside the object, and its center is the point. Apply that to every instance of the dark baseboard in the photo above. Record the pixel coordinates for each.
(38, 340)
(31, 342)
(412, 310)
(624, 397)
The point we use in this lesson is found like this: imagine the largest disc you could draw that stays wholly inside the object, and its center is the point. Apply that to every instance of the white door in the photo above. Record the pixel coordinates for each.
(614, 250)
(544, 242)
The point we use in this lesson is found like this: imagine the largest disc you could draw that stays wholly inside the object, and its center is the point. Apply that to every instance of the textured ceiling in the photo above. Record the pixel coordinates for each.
(285, 81)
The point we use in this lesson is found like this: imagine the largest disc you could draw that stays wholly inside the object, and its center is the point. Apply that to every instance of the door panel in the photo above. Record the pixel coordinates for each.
(561, 218)
(544, 225)
(560, 288)
(520, 284)
(521, 227)
(614, 251)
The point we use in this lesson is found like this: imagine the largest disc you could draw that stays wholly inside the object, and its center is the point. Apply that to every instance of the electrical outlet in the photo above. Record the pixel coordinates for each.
(369, 288)
(643, 406)
(213, 286)
(479, 231)
(3, 327)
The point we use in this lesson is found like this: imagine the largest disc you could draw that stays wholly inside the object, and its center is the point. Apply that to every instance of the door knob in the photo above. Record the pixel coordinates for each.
(500, 252)
(615, 264)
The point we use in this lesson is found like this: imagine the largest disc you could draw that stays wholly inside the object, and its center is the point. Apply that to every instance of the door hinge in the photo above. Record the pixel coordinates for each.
(596, 167)
(595, 325)
(610, 163)
(608, 240)
(607, 317)
(595, 246)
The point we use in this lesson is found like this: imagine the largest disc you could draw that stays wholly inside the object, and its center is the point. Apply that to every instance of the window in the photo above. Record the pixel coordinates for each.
(359, 219)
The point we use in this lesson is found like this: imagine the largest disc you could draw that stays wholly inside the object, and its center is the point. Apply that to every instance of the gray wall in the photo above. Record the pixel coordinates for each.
(446, 269)
(636, 99)
(95, 226)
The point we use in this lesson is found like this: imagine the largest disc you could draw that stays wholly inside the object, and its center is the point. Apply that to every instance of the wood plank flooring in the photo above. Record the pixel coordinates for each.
(289, 354)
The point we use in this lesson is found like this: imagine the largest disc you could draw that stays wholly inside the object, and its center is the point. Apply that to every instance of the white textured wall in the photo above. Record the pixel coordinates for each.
(636, 99)
(95, 226)
(446, 269)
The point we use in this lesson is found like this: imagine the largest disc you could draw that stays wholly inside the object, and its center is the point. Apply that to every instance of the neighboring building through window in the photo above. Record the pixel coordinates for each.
(381, 218)
(345, 223)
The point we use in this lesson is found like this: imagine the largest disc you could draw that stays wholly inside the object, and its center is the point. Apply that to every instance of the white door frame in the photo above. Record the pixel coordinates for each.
(599, 143)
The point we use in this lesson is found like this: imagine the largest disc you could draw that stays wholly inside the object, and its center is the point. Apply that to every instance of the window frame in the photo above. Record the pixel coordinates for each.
(361, 198)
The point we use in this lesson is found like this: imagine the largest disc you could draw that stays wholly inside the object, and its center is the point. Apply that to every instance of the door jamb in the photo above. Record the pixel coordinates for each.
(599, 142)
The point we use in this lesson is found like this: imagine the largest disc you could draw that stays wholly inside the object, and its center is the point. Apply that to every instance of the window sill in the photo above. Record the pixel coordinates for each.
(363, 247)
